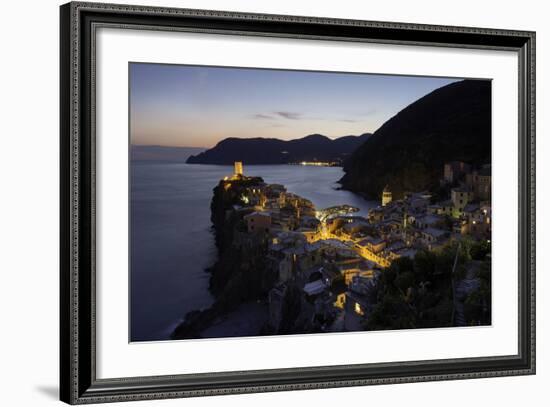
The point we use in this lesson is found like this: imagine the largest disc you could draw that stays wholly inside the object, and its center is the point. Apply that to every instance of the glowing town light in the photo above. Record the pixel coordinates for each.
(358, 309)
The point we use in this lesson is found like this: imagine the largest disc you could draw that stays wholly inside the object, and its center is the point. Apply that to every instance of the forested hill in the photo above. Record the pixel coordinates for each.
(315, 147)
(409, 150)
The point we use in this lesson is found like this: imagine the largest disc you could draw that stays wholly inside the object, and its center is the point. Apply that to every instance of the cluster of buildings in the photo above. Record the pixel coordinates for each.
(334, 257)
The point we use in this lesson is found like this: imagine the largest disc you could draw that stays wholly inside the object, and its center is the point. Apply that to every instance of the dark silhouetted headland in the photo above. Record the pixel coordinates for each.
(409, 150)
(253, 151)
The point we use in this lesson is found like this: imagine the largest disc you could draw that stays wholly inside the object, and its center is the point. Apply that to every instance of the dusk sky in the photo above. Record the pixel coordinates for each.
(194, 106)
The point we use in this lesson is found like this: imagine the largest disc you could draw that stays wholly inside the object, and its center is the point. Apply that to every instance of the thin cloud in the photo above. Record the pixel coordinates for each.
(278, 115)
(261, 116)
(297, 116)
(289, 115)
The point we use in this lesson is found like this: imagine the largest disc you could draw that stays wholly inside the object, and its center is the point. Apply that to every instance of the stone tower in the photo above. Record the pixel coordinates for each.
(386, 195)
(238, 172)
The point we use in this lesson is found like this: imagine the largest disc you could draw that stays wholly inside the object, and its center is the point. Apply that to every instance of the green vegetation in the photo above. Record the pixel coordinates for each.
(290, 312)
(477, 305)
(418, 293)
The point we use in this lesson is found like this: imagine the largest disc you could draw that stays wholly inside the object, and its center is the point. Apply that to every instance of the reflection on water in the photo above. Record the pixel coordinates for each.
(171, 241)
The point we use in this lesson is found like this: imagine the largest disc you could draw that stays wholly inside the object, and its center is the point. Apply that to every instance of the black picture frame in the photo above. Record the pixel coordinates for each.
(78, 382)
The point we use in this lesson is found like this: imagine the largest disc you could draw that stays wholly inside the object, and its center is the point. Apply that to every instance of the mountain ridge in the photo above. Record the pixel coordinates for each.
(451, 123)
(259, 150)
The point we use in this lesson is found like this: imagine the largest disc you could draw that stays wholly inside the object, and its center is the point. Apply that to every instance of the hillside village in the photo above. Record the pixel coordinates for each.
(322, 270)
(334, 257)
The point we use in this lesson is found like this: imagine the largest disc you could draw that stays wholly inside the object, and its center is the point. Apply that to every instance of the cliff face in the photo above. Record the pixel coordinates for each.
(315, 147)
(241, 273)
(408, 152)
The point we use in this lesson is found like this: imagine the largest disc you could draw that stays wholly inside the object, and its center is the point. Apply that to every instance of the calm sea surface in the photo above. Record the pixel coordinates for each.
(171, 240)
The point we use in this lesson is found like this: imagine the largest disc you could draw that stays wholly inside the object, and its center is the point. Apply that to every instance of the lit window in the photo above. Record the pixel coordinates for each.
(358, 309)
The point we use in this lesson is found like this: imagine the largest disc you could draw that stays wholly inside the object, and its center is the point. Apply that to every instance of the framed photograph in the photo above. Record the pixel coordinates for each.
(255, 203)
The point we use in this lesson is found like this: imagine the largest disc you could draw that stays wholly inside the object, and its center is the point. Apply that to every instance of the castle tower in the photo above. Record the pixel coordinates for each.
(238, 172)
(386, 195)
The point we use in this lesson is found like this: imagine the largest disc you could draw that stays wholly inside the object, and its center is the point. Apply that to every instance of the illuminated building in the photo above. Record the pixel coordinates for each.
(238, 172)
(480, 183)
(258, 222)
(460, 197)
(386, 196)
